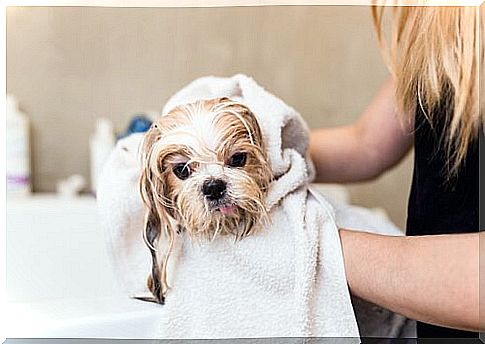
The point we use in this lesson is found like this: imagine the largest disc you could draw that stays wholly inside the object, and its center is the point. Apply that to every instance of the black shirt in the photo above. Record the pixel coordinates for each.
(440, 203)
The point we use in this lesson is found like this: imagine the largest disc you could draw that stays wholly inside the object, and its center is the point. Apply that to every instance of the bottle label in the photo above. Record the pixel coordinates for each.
(18, 180)
(18, 185)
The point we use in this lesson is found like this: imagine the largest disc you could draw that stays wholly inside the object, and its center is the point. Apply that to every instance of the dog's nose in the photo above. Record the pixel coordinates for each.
(214, 189)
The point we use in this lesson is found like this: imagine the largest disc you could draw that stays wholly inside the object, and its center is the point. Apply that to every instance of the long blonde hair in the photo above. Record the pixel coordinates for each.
(435, 52)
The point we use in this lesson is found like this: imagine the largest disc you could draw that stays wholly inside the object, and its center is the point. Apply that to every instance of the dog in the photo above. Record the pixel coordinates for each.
(205, 172)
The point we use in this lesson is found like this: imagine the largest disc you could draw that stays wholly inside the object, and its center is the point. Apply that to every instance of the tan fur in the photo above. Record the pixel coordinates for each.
(203, 135)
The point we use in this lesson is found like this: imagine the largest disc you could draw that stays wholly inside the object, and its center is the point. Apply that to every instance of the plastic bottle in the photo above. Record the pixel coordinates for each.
(18, 150)
(101, 144)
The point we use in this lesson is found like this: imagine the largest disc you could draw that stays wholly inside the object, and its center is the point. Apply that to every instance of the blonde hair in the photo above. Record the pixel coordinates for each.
(434, 56)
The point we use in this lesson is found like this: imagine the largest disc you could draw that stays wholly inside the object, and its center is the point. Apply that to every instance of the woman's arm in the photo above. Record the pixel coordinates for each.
(433, 279)
(365, 149)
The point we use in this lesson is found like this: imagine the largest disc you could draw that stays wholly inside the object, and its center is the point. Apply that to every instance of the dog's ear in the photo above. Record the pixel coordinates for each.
(151, 236)
(158, 232)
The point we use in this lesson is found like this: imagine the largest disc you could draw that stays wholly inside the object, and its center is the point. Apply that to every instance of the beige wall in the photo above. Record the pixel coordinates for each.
(70, 65)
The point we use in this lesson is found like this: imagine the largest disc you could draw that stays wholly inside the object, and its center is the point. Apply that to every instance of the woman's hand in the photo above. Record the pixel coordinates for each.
(363, 150)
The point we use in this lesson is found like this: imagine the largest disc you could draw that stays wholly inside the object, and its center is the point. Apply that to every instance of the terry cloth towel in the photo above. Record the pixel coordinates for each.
(286, 280)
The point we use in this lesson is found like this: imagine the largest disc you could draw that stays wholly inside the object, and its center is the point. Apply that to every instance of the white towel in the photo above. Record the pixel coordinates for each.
(286, 280)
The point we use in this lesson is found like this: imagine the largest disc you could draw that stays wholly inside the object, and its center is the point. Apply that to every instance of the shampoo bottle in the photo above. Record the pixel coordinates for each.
(18, 150)
(101, 144)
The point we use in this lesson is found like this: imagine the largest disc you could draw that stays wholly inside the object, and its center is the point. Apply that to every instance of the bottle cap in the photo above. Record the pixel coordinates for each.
(12, 103)
(104, 127)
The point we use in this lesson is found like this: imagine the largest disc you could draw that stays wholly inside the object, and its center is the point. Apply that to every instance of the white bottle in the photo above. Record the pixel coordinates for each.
(101, 145)
(18, 150)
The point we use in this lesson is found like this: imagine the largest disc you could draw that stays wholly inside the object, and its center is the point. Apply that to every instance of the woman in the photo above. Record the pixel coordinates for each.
(431, 102)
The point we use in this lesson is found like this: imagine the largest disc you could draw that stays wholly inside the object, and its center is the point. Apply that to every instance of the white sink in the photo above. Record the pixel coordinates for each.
(55, 250)
(59, 280)
(102, 317)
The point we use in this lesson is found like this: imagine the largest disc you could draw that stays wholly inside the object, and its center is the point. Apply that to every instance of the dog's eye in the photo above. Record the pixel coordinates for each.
(237, 160)
(182, 171)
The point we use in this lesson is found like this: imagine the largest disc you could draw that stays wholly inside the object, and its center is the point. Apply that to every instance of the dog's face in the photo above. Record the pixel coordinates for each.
(209, 167)
(205, 171)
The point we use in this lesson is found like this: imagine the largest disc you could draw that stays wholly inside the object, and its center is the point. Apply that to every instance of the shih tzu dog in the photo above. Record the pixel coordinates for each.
(205, 173)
